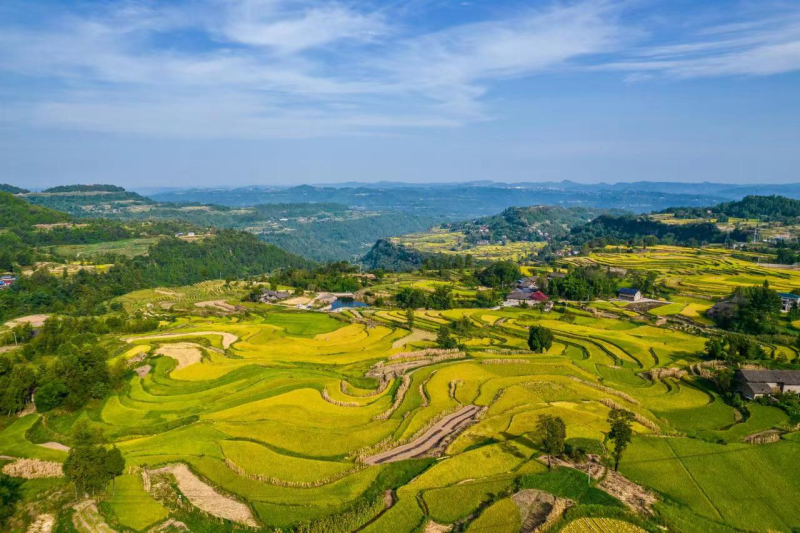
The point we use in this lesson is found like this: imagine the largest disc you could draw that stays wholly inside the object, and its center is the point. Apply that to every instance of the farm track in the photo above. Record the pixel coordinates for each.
(444, 429)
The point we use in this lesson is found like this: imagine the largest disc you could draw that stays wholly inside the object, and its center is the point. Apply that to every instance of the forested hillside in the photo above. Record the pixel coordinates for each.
(5, 187)
(17, 213)
(763, 208)
(619, 229)
(534, 223)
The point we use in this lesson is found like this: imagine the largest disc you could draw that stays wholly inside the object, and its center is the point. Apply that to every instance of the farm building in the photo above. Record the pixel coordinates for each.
(529, 297)
(273, 296)
(756, 383)
(528, 284)
(633, 295)
(788, 300)
(7, 281)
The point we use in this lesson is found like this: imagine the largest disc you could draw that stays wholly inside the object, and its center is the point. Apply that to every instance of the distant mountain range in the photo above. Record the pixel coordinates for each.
(474, 199)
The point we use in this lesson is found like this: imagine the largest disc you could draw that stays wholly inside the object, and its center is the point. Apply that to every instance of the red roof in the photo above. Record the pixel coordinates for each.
(539, 296)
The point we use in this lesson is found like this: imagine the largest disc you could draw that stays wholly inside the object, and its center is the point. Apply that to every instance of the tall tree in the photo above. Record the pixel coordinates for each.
(540, 339)
(553, 433)
(115, 465)
(621, 432)
(85, 466)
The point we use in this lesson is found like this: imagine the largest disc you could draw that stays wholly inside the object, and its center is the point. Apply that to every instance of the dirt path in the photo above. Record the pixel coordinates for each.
(43, 524)
(87, 518)
(33, 469)
(416, 335)
(185, 353)
(227, 338)
(445, 428)
(4, 349)
(205, 498)
(634, 496)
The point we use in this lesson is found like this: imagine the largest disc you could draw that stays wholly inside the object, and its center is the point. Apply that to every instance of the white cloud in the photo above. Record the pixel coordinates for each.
(304, 68)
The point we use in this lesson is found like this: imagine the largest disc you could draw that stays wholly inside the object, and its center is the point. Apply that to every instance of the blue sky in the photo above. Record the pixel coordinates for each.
(236, 92)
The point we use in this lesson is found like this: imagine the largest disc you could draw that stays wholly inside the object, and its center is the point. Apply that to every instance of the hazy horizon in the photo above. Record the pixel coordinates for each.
(206, 93)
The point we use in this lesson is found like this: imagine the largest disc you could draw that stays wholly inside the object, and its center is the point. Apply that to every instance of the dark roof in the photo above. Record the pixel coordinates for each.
(626, 290)
(759, 388)
(519, 295)
(787, 377)
(788, 296)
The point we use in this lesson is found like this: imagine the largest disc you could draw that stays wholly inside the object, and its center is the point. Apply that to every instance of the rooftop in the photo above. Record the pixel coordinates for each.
(787, 377)
(626, 290)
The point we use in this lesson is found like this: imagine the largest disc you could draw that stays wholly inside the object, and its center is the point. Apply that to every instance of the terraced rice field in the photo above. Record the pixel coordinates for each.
(439, 241)
(707, 273)
(274, 414)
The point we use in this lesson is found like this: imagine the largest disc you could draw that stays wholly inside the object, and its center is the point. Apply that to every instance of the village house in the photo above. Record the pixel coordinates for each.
(270, 296)
(753, 384)
(528, 284)
(629, 294)
(7, 281)
(529, 297)
(788, 300)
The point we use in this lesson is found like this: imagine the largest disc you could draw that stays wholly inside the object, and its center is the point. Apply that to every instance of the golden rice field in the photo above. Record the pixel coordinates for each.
(441, 241)
(280, 409)
(701, 273)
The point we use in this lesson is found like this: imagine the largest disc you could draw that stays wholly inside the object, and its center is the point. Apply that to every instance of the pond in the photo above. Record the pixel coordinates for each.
(342, 303)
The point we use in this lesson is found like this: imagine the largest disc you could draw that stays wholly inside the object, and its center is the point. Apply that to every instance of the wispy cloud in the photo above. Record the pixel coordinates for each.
(304, 68)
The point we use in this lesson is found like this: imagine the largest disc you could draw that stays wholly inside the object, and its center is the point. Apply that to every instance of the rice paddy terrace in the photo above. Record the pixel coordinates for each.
(275, 419)
(448, 242)
(702, 272)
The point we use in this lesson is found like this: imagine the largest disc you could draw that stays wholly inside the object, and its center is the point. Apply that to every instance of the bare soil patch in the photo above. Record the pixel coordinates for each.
(142, 371)
(55, 446)
(444, 430)
(185, 353)
(36, 321)
(205, 498)
(433, 527)
(33, 469)
(4, 349)
(416, 335)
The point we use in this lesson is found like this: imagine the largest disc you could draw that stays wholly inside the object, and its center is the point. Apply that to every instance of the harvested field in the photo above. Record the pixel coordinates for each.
(205, 498)
(220, 305)
(87, 519)
(142, 371)
(446, 428)
(537, 508)
(227, 338)
(185, 353)
(33, 469)
(634, 496)
(433, 527)
(43, 524)
(36, 321)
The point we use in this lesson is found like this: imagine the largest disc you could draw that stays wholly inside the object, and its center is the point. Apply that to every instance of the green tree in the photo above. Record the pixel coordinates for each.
(540, 339)
(553, 433)
(9, 495)
(115, 465)
(621, 432)
(86, 466)
(444, 339)
(50, 395)
(442, 297)
(410, 298)
(502, 275)
(410, 317)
